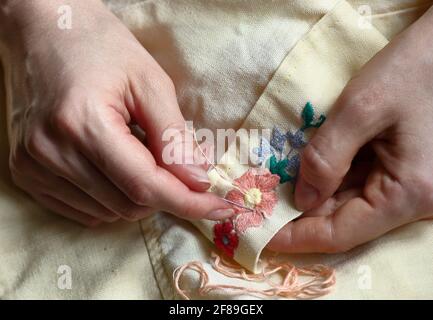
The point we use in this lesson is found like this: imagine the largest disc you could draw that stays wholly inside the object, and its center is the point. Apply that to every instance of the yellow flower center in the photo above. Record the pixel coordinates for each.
(252, 197)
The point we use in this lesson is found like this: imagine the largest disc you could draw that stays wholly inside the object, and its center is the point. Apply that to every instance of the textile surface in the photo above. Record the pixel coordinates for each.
(229, 60)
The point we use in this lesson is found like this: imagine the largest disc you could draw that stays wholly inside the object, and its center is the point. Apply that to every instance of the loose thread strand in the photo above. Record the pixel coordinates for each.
(222, 174)
(323, 279)
(321, 282)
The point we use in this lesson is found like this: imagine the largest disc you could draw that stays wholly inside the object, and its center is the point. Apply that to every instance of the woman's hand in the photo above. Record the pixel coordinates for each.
(369, 168)
(72, 95)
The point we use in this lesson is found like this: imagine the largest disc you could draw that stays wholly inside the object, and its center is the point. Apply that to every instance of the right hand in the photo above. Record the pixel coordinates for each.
(72, 95)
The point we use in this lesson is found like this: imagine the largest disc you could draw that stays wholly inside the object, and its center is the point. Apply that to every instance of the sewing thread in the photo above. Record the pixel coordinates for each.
(321, 282)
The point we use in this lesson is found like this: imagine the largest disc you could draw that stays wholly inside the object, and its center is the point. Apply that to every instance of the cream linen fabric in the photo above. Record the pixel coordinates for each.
(110, 262)
(315, 71)
(221, 55)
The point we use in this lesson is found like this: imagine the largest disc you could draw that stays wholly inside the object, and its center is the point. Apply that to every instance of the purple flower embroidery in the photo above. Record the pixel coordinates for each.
(287, 165)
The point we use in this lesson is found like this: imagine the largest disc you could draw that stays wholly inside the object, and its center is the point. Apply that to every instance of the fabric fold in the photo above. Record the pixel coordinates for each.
(306, 84)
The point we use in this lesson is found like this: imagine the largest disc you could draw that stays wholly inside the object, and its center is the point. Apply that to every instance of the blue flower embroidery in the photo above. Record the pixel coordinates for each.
(278, 139)
(287, 165)
(263, 151)
(297, 139)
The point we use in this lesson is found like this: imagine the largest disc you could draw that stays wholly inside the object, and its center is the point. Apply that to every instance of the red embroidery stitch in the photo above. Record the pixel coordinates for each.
(256, 192)
(225, 237)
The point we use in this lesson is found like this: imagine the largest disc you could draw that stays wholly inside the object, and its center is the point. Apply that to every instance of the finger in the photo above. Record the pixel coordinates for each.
(332, 204)
(328, 156)
(41, 181)
(168, 137)
(132, 168)
(381, 208)
(66, 211)
(176, 198)
(70, 195)
(52, 153)
(352, 224)
(94, 184)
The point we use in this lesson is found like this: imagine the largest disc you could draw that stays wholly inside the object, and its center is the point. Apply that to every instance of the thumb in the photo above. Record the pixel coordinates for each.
(172, 144)
(327, 157)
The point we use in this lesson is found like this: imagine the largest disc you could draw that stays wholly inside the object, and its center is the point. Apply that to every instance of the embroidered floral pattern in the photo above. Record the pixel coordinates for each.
(254, 199)
(308, 117)
(256, 195)
(263, 151)
(272, 153)
(225, 237)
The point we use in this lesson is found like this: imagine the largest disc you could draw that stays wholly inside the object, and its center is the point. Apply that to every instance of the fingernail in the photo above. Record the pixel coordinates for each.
(198, 174)
(220, 214)
(305, 195)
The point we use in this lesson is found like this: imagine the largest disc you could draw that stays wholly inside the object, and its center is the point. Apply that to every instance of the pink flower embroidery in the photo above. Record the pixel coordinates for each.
(256, 193)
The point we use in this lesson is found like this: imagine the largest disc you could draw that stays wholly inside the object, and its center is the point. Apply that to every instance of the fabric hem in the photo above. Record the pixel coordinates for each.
(151, 232)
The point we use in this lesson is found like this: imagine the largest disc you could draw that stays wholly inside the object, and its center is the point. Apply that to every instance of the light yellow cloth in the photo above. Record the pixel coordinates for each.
(221, 55)
(315, 71)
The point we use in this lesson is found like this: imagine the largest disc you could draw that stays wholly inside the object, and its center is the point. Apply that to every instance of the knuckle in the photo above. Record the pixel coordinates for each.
(366, 105)
(314, 162)
(157, 79)
(137, 191)
(362, 103)
(63, 122)
(335, 242)
(34, 143)
(336, 245)
(386, 191)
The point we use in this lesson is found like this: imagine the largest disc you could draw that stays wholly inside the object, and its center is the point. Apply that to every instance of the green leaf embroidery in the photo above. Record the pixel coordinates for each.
(308, 115)
(319, 122)
(279, 168)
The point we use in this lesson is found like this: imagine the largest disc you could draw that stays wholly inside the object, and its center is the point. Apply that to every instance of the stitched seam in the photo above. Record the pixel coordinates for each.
(151, 233)
(401, 11)
(150, 258)
(277, 69)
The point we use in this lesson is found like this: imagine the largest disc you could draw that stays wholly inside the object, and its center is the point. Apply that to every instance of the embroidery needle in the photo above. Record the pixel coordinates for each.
(237, 204)
(220, 174)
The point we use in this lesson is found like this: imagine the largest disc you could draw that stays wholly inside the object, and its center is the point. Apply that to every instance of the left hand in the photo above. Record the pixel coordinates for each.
(369, 168)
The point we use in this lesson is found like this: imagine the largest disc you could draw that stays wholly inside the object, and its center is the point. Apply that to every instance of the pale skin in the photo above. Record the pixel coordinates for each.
(384, 117)
(71, 147)
(73, 150)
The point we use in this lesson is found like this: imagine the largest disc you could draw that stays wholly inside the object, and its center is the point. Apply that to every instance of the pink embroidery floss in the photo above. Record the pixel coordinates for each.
(322, 279)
